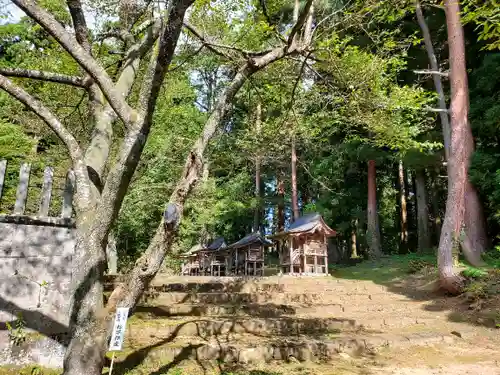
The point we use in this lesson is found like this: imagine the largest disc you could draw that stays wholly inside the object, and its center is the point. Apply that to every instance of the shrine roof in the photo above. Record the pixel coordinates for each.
(252, 238)
(308, 223)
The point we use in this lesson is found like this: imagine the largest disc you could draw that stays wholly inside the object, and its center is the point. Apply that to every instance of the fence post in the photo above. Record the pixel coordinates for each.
(46, 194)
(67, 207)
(3, 168)
(22, 189)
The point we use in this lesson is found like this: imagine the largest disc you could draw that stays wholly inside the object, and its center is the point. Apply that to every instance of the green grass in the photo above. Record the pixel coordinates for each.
(28, 370)
(383, 271)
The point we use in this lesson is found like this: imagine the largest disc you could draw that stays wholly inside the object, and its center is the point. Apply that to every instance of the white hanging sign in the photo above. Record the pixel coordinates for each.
(119, 327)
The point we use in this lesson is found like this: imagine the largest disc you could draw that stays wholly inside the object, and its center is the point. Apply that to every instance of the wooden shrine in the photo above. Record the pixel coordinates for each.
(242, 258)
(303, 246)
(246, 256)
(205, 260)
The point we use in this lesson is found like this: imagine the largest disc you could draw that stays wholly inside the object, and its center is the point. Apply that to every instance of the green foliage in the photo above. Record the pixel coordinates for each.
(485, 112)
(474, 273)
(486, 16)
(17, 331)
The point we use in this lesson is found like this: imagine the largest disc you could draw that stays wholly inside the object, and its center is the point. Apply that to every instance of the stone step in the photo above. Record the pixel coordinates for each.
(384, 321)
(252, 285)
(269, 327)
(166, 299)
(248, 350)
(160, 307)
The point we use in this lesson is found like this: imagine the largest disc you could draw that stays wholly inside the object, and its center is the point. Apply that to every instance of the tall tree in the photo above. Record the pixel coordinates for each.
(373, 230)
(475, 237)
(402, 204)
(460, 151)
(424, 241)
(295, 195)
(258, 124)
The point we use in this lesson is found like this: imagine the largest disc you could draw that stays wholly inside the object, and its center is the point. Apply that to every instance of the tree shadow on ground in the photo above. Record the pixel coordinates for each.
(422, 286)
(212, 340)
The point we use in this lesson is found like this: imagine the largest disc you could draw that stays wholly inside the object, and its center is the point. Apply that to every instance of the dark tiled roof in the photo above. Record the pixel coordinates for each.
(255, 237)
(216, 244)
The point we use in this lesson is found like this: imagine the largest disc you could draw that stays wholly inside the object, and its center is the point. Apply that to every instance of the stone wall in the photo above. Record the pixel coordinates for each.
(35, 272)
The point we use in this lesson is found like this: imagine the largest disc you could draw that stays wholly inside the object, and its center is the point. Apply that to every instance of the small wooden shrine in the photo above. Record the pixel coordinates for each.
(246, 256)
(205, 260)
(190, 263)
(303, 246)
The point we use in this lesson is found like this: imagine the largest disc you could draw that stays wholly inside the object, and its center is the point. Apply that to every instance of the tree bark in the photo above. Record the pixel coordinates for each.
(403, 237)
(295, 198)
(258, 122)
(474, 222)
(435, 205)
(460, 152)
(354, 239)
(373, 233)
(281, 202)
(424, 242)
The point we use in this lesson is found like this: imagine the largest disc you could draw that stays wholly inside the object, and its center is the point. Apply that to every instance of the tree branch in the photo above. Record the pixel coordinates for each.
(46, 115)
(213, 46)
(426, 71)
(79, 24)
(300, 22)
(97, 153)
(86, 61)
(205, 42)
(45, 76)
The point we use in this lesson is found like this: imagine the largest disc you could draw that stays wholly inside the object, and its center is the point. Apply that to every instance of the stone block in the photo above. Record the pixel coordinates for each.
(37, 240)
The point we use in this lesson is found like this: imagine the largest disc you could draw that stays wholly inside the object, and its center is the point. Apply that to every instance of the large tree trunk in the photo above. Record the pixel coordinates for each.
(476, 239)
(460, 152)
(403, 236)
(424, 242)
(295, 198)
(89, 334)
(372, 234)
(258, 122)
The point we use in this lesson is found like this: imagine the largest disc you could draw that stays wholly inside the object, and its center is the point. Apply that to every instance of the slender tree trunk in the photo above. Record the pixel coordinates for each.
(373, 234)
(424, 242)
(459, 152)
(354, 239)
(403, 238)
(205, 235)
(295, 198)
(443, 115)
(281, 202)
(258, 121)
(435, 205)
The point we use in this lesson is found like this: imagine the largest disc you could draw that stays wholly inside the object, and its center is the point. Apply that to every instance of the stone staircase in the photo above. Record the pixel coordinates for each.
(278, 318)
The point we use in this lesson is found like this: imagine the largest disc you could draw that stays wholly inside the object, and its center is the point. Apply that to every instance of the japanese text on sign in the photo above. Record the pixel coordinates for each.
(118, 334)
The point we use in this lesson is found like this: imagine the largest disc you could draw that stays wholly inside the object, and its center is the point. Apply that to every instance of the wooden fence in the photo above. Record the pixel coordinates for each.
(46, 191)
